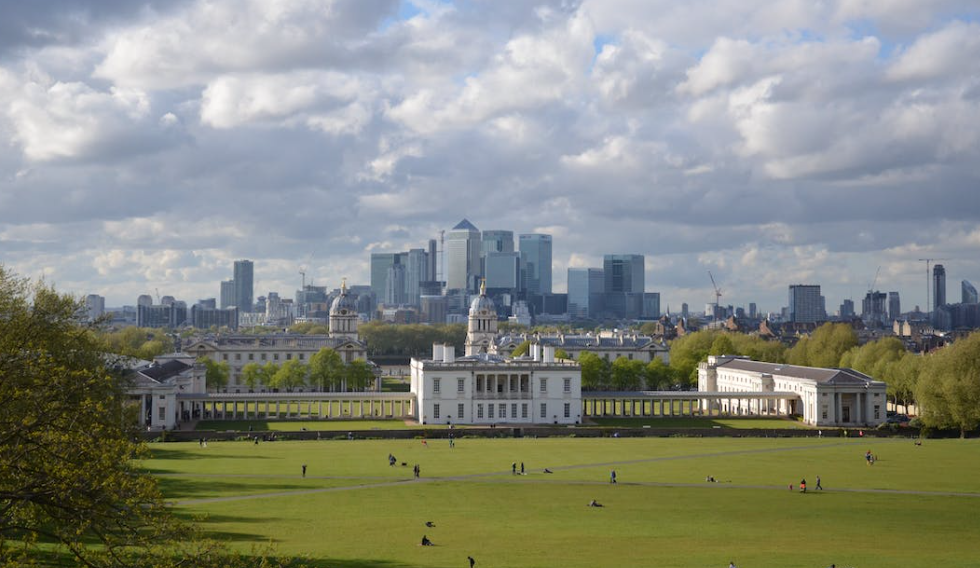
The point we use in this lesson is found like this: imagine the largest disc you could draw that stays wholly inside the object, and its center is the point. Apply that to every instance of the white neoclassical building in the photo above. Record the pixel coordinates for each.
(485, 388)
(824, 397)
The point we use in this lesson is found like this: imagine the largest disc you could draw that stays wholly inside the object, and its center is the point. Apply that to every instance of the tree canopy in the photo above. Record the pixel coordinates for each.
(950, 396)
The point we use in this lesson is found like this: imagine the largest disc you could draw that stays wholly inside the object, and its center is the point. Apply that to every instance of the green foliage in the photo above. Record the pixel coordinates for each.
(522, 349)
(292, 374)
(949, 391)
(627, 374)
(326, 369)
(139, 342)
(359, 375)
(595, 371)
(309, 328)
(722, 345)
(658, 375)
(216, 374)
(689, 350)
(825, 347)
(410, 340)
(562, 354)
(252, 375)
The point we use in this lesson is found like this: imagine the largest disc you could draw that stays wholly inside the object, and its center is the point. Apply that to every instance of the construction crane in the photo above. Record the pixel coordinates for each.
(717, 293)
(928, 308)
(872, 306)
(303, 267)
(157, 290)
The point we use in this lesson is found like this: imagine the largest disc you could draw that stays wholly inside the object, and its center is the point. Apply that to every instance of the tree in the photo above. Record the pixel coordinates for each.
(950, 397)
(658, 375)
(627, 374)
(562, 354)
(252, 375)
(215, 374)
(687, 351)
(66, 473)
(522, 349)
(326, 369)
(825, 347)
(269, 371)
(594, 371)
(291, 374)
(722, 345)
(359, 375)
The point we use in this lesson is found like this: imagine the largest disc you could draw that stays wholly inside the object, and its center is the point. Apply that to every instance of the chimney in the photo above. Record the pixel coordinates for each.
(437, 351)
(536, 351)
(549, 353)
(448, 354)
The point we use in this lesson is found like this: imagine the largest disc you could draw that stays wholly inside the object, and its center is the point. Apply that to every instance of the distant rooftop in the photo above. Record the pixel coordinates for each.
(465, 225)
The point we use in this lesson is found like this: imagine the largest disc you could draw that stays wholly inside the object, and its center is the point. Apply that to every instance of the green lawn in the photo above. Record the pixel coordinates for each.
(353, 510)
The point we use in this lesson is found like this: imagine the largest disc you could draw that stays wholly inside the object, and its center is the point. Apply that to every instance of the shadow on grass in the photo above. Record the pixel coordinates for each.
(180, 488)
(696, 422)
(171, 454)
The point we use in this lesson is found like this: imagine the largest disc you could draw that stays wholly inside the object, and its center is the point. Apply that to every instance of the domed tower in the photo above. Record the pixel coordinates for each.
(343, 315)
(482, 333)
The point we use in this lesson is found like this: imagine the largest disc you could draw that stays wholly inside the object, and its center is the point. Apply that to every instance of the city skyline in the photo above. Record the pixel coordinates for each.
(151, 144)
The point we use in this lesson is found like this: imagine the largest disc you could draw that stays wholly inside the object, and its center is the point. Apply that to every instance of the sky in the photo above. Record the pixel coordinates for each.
(147, 145)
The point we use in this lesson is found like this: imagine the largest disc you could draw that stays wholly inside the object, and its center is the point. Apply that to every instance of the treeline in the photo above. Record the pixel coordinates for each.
(139, 342)
(326, 371)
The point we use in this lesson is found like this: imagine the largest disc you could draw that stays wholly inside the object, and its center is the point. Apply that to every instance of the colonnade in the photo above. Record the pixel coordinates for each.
(670, 404)
(308, 407)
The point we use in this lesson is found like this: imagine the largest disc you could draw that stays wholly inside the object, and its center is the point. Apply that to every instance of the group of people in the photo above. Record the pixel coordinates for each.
(803, 485)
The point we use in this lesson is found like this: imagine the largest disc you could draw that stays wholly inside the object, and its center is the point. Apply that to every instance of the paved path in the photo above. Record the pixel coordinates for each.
(506, 474)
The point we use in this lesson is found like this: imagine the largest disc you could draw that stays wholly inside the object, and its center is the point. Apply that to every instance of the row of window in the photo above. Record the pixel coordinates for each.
(498, 410)
(275, 356)
(461, 385)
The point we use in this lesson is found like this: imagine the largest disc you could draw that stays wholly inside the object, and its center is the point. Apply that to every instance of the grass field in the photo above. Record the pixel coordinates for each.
(914, 507)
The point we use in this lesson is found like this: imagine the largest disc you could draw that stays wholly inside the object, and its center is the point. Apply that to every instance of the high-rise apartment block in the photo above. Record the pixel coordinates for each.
(227, 295)
(939, 286)
(94, 306)
(806, 303)
(244, 281)
(894, 306)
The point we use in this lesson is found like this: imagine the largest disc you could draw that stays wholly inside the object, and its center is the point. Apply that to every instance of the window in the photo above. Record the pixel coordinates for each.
(289, 356)
(436, 385)
(302, 356)
(630, 356)
(567, 385)
(479, 411)
(238, 356)
(490, 411)
(524, 410)
(224, 356)
(275, 356)
(479, 383)
(435, 411)
(162, 413)
(824, 414)
(460, 385)
(568, 410)
(513, 410)
(502, 411)
(877, 412)
(251, 356)
(263, 356)
(459, 412)
(544, 410)
(544, 385)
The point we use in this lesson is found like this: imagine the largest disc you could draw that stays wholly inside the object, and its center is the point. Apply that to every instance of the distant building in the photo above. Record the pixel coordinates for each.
(503, 270)
(244, 285)
(586, 288)
(94, 306)
(463, 256)
(847, 309)
(939, 286)
(969, 293)
(753, 311)
(824, 397)
(805, 303)
(497, 241)
(536, 262)
(624, 285)
(168, 316)
(873, 310)
(651, 305)
(205, 317)
(606, 345)
(227, 295)
(894, 306)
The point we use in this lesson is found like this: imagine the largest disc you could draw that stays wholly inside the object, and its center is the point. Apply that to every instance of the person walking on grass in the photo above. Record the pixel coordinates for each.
(472, 562)
(820, 487)
(304, 470)
(612, 476)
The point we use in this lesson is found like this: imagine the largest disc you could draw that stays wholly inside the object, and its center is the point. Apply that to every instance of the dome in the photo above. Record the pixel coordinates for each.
(343, 302)
(481, 303)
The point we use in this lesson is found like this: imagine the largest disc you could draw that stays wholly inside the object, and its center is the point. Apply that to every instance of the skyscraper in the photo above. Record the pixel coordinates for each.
(463, 257)
(227, 295)
(969, 293)
(939, 286)
(894, 306)
(805, 303)
(536, 261)
(433, 262)
(380, 263)
(847, 309)
(244, 285)
(585, 289)
(95, 306)
(624, 282)
(503, 270)
(416, 272)
(497, 241)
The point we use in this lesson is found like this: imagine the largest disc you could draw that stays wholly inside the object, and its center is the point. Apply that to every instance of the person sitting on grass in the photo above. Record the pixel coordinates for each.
(426, 541)
(594, 503)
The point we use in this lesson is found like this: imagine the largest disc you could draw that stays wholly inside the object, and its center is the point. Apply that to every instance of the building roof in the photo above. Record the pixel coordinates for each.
(825, 376)
(281, 341)
(626, 342)
(465, 225)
